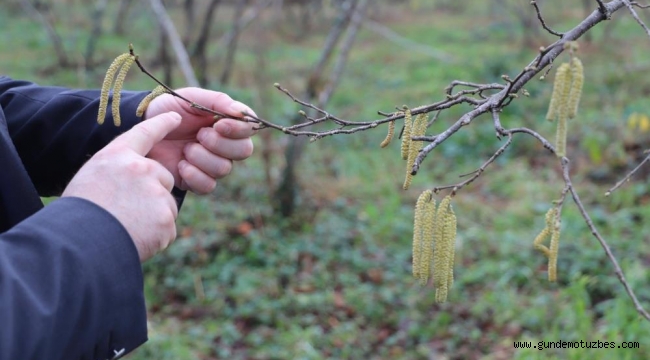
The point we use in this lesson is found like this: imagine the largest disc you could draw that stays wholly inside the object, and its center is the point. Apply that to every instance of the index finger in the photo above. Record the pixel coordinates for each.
(142, 137)
(216, 101)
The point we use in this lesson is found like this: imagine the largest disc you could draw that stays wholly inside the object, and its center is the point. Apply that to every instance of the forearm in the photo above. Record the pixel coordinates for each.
(55, 130)
(70, 285)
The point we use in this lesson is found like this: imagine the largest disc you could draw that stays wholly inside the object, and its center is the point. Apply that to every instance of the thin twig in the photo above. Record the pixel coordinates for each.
(601, 240)
(476, 173)
(640, 6)
(627, 177)
(541, 20)
(636, 16)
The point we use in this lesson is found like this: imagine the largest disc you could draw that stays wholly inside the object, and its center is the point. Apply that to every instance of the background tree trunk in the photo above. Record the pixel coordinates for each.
(182, 59)
(199, 57)
(286, 195)
(61, 55)
(232, 43)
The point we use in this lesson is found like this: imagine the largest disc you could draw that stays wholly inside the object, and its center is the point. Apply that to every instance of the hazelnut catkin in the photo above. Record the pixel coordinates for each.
(418, 128)
(117, 89)
(445, 229)
(418, 222)
(554, 249)
(142, 107)
(406, 134)
(106, 85)
(564, 75)
(389, 136)
(577, 75)
(428, 226)
(558, 90)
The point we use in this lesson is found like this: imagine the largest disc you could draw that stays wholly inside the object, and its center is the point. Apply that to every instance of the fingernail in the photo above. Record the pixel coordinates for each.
(182, 164)
(223, 128)
(202, 136)
(239, 108)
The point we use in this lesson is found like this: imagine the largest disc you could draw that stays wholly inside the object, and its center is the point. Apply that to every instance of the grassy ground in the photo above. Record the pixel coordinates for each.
(334, 282)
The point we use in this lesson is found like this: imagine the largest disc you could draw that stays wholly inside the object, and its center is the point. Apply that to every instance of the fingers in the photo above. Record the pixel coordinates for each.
(194, 179)
(142, 137)
(234, 149)
(213, 165)
(216, 101)
(234, 129)
(163, 175)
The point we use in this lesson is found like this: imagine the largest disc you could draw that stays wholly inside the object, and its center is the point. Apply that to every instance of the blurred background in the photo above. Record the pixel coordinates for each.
(303, 252)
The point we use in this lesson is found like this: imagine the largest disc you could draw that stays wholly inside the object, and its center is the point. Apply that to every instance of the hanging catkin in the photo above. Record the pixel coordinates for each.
(428, 226)
(554, 248)
(117, 89)
(406, 134)
(564, 75)
(445, 235)
(418, 225)
(561, 85)
(142, 107)
(552, 229)
(389, 136)
(418, 128)
(578, 76)
(106, 85)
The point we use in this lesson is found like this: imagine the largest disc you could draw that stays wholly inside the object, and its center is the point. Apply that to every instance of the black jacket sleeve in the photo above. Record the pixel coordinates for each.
(55, 130)
(70, 286)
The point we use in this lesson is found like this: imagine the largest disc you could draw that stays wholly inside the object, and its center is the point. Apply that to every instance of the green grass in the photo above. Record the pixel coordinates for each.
(334, 283)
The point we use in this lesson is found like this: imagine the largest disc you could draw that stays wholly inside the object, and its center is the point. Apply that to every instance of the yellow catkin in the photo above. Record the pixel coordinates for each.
(406, 134)
(117, 89)
(106, 86)
(577, 76)
(418, 226)
(442, 252)
(418, 128)
(558, 89)
(428, 226)
(389, 136)
(549, 218)
(452, 247)
(142, 107)
(554, 249)
(563, 110)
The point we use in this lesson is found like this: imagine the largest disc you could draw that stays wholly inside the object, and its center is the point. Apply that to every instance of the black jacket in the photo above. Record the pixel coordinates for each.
(70, 279)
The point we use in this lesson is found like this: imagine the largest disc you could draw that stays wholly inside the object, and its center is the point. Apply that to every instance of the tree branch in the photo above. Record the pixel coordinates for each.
(177, 44)
(603, 243)
(627, 177)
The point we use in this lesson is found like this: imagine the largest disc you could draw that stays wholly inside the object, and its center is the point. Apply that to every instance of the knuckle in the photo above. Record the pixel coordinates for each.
(224, 168)
(138, 167)
(210, 140)
(192, 151)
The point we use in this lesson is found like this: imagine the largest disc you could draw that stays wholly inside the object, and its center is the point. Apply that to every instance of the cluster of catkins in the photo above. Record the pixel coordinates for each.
(567, 89)
(551, 229)
(434, 238)
(410, 149)
(122, 63)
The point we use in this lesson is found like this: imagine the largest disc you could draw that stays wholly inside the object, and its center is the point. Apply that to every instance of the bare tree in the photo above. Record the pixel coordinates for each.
(198, 55)
(59, 49)
(317, 88)
(97, 17)
(122, 14)
(226, 72)
(168, 27)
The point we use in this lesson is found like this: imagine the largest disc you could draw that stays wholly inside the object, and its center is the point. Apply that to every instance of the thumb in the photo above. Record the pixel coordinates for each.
(142, 137)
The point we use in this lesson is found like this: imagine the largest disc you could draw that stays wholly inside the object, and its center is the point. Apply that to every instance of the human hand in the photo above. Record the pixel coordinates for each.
(201, 151)
(134, 189)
